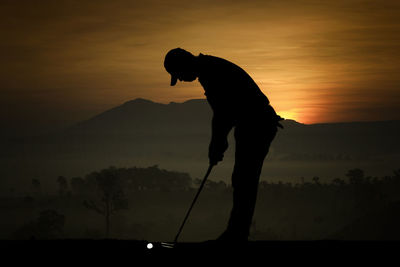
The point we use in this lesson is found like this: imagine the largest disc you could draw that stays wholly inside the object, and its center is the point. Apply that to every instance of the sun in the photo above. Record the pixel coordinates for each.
(289, 115)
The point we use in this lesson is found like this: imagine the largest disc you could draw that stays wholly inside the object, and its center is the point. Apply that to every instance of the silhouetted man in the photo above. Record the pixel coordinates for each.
(236, 101)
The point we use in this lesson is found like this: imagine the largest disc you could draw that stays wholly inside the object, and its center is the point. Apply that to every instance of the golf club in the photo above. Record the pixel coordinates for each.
(169, 245)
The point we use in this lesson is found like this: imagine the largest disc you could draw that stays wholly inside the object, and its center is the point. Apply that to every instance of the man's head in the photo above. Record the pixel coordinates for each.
(181, 65)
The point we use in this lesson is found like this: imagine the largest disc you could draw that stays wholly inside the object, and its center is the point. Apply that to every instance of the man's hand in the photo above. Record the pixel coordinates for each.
(216, 151)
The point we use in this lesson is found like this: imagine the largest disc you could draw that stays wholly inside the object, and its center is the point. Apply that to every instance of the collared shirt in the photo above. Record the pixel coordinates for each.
(230, 91)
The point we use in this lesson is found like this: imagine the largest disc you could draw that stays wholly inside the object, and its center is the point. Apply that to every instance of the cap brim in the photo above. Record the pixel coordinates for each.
(174, 80)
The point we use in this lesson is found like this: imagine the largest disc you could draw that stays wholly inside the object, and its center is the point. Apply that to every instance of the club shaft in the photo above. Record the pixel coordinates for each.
(193, 202)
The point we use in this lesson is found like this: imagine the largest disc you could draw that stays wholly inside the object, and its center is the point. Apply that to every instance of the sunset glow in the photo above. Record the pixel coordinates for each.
(317, 61)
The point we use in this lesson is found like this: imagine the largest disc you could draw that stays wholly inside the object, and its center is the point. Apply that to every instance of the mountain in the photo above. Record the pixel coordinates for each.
(141, 115)
(176, 136)
(143, 121)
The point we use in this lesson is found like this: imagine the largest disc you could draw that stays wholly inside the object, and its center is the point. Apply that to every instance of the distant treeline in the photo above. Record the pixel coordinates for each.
(355, 183)
(155, 179)
(355, 191)
(155, 197)
(131, 179)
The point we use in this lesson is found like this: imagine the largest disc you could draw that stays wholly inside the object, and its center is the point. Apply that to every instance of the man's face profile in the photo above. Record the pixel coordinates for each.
(187, 76)
(180, 64)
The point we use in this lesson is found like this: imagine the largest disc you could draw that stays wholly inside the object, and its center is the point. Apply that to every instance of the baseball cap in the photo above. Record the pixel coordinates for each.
(173, 62)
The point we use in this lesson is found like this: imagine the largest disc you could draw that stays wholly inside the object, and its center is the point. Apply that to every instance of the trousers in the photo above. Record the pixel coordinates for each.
(253, 139)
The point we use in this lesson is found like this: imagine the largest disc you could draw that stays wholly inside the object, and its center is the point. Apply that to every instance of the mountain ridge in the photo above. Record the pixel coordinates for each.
(142, 102)
(176, 136)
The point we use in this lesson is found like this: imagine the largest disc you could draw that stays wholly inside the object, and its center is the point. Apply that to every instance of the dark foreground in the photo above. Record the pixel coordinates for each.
(101, 251)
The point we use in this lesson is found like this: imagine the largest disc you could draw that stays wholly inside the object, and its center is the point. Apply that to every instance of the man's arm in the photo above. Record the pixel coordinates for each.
(220, 127)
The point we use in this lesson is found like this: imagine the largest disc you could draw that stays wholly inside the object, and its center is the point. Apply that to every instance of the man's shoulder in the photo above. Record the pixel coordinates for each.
(213, 64)
(213, 59)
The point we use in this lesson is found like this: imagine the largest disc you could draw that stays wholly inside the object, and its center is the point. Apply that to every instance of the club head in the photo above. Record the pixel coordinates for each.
(167, 245)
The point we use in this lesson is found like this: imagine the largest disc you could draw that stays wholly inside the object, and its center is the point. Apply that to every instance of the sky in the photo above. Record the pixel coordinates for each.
(317, 61)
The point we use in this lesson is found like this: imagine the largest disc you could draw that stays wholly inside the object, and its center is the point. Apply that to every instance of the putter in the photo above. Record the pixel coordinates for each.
(171, 245)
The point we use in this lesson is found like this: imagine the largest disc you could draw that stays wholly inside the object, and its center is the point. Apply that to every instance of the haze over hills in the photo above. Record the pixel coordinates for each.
(176, 136)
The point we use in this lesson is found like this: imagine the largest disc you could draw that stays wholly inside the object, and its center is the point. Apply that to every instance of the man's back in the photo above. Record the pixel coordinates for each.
(229, 89)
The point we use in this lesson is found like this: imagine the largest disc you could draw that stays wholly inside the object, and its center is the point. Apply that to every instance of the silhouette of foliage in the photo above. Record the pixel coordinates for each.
(110, 192)
(49, 225)
(136, 179)
(36, 185)
(78, 185)
(356, 176)
(310, 209)
(62, 185)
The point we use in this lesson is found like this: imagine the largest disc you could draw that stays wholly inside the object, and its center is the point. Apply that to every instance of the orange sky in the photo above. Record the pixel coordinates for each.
(317, 61)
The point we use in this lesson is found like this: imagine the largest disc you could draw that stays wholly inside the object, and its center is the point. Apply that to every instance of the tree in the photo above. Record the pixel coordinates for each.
(316, 180)
(110, 195)
(338, 182)
(36, 186)
(51, 222)
(356, 176)
(62, 185)
(49, 225)
(396, 174)
(78, 185)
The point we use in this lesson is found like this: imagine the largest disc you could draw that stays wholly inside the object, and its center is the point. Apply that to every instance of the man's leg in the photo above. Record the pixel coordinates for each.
(252, 146)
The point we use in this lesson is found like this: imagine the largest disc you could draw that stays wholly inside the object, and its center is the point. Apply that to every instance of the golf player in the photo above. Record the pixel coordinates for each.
(237, 102)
